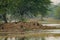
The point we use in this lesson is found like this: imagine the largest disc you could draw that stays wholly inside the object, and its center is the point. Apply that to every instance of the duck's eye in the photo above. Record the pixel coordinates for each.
(37, 24)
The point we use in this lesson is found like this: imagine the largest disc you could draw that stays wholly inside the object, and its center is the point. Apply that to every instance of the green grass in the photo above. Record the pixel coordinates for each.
(46, 21)
(51, 21)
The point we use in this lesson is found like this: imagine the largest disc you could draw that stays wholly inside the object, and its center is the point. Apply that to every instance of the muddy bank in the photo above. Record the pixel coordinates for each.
(23, 26)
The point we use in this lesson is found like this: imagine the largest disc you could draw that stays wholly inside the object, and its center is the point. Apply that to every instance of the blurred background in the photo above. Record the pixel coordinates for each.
(41, 11)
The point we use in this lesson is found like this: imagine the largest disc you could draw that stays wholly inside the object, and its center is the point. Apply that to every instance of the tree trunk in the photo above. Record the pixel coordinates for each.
(22, 18)
(4, 18)
(42, 18)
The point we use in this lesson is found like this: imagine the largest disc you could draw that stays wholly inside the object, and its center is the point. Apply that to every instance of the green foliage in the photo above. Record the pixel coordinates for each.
(35, 6)
(57, 12)
(19, 8)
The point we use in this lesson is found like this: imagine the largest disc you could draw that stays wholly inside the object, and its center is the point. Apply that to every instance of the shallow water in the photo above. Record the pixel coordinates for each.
(51, 31)
(58, 25)
(33, 38)
(57, 31)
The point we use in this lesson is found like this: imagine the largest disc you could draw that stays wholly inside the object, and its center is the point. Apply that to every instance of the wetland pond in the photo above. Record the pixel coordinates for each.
(47, 31)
